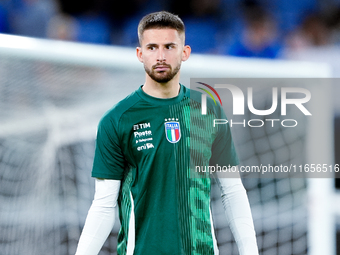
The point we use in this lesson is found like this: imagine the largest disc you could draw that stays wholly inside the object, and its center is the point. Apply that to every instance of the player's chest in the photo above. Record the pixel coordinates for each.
(163, 133)
(148, 136)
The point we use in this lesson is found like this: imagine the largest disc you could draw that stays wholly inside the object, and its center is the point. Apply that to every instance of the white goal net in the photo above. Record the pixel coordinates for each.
(52, 95)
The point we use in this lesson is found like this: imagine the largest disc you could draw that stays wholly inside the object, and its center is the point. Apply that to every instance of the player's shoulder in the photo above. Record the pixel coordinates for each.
(114, 114)
(213, 105)
(194, 95)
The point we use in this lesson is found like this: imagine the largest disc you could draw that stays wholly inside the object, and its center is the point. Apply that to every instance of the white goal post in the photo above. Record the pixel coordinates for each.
(63, 108)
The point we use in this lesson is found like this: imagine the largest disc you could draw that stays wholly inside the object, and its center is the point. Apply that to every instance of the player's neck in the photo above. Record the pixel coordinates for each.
(162, 90)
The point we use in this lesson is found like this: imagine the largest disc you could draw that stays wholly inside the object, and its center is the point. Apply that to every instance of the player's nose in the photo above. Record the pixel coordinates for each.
(161, 55)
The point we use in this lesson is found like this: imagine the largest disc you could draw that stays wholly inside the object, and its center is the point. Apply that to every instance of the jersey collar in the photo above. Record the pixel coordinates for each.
(162, 101)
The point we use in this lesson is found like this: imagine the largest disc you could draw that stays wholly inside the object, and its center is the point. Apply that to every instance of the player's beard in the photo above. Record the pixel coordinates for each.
(164, 76)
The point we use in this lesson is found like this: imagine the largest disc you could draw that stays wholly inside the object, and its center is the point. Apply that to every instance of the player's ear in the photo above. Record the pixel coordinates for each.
(186, 52)
(139, 54)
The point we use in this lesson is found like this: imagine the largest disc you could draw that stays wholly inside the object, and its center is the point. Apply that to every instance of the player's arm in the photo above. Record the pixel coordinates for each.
(234, 197)
(237, 210)
(100, 218)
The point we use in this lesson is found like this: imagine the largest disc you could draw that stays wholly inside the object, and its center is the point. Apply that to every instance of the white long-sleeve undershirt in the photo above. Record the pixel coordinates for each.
(101, 216)
(239, 217)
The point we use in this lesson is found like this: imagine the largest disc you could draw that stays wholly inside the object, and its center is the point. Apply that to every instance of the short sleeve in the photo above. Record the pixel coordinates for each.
(223, 149)
(109, 161)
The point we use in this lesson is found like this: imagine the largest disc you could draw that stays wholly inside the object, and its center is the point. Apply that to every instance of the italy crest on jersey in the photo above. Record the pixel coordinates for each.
(172, 131)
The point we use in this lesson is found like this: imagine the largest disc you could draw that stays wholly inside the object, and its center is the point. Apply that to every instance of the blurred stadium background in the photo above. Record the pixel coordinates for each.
(64, 63)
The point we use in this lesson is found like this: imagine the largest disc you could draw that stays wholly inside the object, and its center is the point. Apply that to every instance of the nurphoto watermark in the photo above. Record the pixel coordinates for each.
(277, 125)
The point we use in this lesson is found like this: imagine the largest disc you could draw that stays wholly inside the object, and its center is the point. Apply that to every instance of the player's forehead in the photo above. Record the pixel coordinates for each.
(161, 36)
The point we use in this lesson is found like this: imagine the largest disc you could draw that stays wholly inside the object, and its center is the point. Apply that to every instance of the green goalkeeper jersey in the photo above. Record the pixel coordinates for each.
(153, 146)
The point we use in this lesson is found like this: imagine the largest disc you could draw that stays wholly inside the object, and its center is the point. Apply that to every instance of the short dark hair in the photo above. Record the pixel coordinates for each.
(160, 19)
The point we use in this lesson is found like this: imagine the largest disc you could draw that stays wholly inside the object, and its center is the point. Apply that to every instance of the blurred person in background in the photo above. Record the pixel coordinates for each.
(63, 27)
(313, 32)
(333, 22)
(259, 37)
(31, 17)
(92, 26)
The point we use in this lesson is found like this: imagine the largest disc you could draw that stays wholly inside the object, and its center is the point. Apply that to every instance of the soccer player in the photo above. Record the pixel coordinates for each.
(147, 146)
